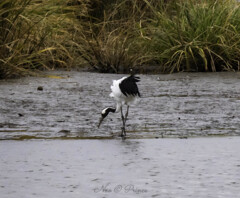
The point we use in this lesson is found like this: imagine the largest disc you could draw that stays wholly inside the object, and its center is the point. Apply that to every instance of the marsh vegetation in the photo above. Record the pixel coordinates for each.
(111, 36)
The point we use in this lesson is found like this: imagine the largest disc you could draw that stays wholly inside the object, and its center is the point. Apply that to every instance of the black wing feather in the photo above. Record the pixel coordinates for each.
(129, 86)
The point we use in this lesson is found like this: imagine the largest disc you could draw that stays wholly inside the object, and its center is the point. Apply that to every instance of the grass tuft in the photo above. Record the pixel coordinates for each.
(200, 36)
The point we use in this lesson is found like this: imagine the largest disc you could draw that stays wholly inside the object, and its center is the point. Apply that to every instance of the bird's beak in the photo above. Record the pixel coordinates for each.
(100, 121)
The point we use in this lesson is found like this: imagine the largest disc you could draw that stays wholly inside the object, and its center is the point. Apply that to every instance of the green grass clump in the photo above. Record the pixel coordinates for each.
(197, 36)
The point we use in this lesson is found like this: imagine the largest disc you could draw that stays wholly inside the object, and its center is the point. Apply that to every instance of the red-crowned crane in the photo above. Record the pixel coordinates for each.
(124, 91)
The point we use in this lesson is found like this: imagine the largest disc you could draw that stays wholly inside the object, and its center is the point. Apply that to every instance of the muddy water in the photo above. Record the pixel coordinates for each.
(162, 168)
(69, 106)
(67, 156)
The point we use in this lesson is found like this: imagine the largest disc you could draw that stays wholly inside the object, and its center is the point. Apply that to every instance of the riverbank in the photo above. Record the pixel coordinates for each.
(116, 35)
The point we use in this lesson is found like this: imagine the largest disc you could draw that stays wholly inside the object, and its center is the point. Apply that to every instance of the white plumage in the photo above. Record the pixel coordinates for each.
(119, 97)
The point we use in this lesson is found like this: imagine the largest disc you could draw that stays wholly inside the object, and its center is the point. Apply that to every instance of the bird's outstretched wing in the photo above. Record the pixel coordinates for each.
(129, 86)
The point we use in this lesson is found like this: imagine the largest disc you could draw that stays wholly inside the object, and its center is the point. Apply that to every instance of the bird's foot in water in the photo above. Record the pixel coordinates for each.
(123, 133)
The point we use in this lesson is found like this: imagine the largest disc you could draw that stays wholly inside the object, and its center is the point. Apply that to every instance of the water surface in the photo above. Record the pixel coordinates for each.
(165, 168)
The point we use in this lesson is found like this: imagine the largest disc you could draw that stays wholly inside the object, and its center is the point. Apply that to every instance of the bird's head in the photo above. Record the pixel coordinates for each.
(104, 114)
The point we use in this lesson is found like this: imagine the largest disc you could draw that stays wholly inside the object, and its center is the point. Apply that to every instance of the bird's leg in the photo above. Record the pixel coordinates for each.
(123, 120)
(126, 115)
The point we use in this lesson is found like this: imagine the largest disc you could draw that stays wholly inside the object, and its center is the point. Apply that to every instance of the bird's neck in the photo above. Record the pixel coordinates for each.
(118, 107)
(113, 110)
(110, 109)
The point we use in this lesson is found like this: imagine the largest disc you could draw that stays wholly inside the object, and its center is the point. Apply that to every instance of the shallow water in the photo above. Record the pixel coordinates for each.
(177, 105)
(68, 156)
(165, 168)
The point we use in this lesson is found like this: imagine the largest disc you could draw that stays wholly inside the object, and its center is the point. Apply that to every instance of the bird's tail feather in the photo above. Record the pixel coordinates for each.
(135, 78)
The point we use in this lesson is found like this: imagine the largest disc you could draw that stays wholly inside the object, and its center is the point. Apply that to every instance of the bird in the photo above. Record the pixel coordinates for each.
(125, 92)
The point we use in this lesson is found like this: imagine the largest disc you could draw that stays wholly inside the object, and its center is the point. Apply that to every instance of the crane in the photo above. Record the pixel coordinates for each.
(125, 92)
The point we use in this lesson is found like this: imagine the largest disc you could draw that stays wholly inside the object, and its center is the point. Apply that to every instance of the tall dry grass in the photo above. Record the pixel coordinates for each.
(110, 41)
(115, 35)
(37, 35)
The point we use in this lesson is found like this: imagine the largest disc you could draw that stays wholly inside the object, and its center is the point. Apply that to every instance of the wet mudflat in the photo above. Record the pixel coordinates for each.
(64, 154)
(164, 168)
(69, 106)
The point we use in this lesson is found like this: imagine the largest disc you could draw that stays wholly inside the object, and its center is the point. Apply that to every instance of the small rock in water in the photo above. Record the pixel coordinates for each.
(40, 88)
(64, 131)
